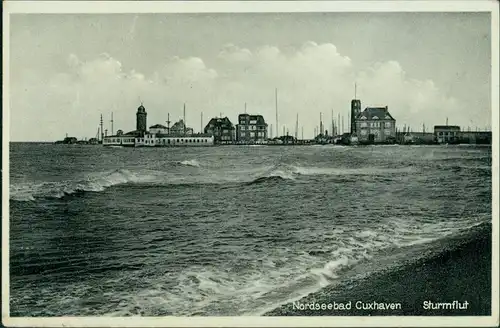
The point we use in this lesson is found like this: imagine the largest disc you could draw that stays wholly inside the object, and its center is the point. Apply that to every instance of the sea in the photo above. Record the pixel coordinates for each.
(227, 230)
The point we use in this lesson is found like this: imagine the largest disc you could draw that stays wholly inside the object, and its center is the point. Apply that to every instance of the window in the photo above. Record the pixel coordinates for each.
(242, 127)
(177, 140)
(364, 125)
(243, 134)
(363, 132)
(387, 132)
(388, 124)
(375, 117)
(363, 117)
(252, 134)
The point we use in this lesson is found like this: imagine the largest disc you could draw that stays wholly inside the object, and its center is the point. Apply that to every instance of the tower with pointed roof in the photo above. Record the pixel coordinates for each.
(141, 119)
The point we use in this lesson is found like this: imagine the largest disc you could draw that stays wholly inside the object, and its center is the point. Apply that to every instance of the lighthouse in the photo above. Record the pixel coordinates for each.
(141, 119)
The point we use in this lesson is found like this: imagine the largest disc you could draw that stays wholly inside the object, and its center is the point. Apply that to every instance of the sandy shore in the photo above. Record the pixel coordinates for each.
(461, 273)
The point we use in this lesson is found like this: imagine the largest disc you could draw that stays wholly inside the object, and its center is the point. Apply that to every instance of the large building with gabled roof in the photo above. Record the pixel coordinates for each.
(251, 129)
(375, 125)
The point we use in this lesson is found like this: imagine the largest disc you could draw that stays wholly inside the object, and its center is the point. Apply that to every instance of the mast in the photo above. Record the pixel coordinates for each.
(102, 131)
(276, 105)
(321, 123)
(338, 125)
(333, 125)
(297, 126)
(201, 124)
(342, 124)
(112, 130)
(302, 132)
(184, 118)
(168, 123)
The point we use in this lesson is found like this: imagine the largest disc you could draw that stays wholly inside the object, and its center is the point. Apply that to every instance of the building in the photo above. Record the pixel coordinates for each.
(180, 128)
(422, 138)
(355, 111)
(375, 125)
(251, 129)
(475, 137)
(141, 117)
(158, 129)
(158, 136)
(222, 129)
(446, 133)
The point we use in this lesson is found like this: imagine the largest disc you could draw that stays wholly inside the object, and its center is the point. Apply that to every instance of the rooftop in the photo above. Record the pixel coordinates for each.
(259, 118)
(447, 127)
(158, 126)
(375, 113)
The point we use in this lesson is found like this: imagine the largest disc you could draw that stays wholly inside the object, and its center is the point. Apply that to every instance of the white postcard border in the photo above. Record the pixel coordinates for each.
(61, 7)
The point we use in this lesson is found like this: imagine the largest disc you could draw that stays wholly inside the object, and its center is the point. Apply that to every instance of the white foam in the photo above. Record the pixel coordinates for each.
(92, 182)
(349, 171)
(190, 162)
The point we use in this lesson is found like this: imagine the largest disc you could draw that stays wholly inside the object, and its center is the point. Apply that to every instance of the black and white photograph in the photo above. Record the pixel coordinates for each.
(287, 163)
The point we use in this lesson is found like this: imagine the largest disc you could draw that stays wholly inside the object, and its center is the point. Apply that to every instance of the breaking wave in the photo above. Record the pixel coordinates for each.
(272, 178)
(92, 183)
(98, 182)
(285, 274)
(349, 171)
(190, 162)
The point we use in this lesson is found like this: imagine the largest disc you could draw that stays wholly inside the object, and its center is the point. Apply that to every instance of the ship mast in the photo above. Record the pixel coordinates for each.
(112, 130)
(184, 118)
(276, 105)
(168, 123)
(102, 131)
(321, 123)
(339, 132)
(297, 127)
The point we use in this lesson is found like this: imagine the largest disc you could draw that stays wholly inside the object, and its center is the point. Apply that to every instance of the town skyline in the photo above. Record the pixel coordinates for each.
(73, 68)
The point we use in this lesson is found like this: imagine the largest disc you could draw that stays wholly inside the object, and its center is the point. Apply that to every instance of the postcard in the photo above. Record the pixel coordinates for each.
(250, 164)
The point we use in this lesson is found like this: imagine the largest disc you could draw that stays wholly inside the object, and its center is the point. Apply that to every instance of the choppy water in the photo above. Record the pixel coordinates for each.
(225, 230)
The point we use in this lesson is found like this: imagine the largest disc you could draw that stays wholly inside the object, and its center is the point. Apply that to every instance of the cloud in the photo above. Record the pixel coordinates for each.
(311, 79)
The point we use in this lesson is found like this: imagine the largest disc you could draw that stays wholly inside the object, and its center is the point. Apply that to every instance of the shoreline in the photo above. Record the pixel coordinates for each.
(454, 276)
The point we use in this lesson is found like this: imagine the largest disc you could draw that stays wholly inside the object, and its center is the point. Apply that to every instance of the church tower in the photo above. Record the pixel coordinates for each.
(141, 119)
(355, 110)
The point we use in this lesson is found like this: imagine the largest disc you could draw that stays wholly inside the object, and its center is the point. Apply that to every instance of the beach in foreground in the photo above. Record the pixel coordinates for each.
(461, 273)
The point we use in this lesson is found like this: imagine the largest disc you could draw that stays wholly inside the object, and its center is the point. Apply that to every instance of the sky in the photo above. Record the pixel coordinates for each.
(68, 69)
